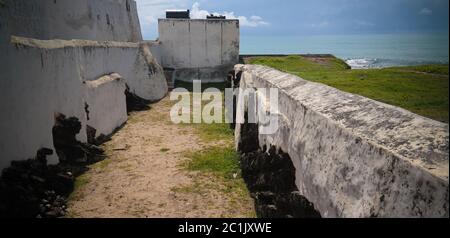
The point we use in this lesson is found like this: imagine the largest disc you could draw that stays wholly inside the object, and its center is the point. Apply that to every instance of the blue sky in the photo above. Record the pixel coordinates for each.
(309, 17)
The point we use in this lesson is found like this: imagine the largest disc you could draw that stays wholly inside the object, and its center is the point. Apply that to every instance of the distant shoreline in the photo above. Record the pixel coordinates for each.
(361, 63)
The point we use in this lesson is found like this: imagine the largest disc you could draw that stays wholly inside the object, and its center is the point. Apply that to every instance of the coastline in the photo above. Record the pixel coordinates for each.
(353, 63)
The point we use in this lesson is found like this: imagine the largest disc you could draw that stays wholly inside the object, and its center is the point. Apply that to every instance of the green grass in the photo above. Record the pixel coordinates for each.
(223, 163)
(218, 162)
(431, 69)
(164, 150)
(213, 131)
(80, 182)
(420, 89)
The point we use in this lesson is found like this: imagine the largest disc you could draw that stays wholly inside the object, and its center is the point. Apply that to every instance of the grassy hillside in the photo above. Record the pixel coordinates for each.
(420, 89)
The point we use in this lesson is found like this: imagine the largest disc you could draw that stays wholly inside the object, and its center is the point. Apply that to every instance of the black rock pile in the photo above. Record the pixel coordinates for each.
(31, 188)
(52, 205)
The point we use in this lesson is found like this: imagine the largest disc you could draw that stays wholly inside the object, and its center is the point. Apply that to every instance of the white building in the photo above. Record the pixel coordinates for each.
(204, 49)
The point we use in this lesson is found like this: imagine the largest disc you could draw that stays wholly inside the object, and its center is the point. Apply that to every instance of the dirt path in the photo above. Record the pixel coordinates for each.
(142, 176)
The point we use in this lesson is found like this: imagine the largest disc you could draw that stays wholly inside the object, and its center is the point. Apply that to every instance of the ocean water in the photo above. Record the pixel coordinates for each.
(359, 51)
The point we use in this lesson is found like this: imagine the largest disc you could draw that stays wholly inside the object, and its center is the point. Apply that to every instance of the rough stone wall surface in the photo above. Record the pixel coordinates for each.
(199, 49)
(356, 157)
(42, 77)
(101, 20)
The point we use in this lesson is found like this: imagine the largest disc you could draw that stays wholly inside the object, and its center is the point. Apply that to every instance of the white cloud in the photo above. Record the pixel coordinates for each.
(362, 23)
(197, 13)
(252, 21)
(425, 11)
(150, 10)
(321, 24)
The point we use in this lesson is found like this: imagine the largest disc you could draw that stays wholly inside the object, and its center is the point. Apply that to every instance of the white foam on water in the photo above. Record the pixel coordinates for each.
(362, 63)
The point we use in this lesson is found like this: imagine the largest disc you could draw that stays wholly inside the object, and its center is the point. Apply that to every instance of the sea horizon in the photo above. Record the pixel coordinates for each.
(358, 50)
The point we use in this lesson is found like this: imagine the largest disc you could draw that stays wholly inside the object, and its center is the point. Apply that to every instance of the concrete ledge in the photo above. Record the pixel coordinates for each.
(134, 61)
(356, 157)
(57, 43)
(105, 104)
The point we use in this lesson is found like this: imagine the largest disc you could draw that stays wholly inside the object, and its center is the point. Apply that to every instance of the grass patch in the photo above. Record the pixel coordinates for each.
(101, 165)
(212, 131)
(79, 183)
(440, 69)
(215, 132)
(420, 89)
(164, 150)
(217, 167)
(223, 164)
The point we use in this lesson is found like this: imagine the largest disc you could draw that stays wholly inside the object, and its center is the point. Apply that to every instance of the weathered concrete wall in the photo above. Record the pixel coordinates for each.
(101, 20)
(155, 48)
(199, 49)
(40, 78)
(105, 105)
(356, 157)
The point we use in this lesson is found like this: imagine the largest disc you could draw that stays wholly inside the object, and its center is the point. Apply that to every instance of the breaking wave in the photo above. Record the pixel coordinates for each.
(369, 63)
(361, 63)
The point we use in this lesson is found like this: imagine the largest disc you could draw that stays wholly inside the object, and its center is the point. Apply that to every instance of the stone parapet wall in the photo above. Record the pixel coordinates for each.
(353, 156)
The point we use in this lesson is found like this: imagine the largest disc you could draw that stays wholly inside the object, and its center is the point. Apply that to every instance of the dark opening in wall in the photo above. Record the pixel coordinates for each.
(249, 141)
(134, 102)
(270, 178)
(107, 20)
(90, 134)
(128, 5)
(169, 75)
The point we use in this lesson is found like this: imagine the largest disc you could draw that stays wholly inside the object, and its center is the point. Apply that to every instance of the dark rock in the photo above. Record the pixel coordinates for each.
(30, 188)
(270, 177)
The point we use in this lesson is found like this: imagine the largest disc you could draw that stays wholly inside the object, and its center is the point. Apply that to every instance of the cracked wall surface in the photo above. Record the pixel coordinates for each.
(356, 157)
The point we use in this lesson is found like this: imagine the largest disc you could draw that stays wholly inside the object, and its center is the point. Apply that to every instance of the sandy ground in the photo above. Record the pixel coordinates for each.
(142, 176)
